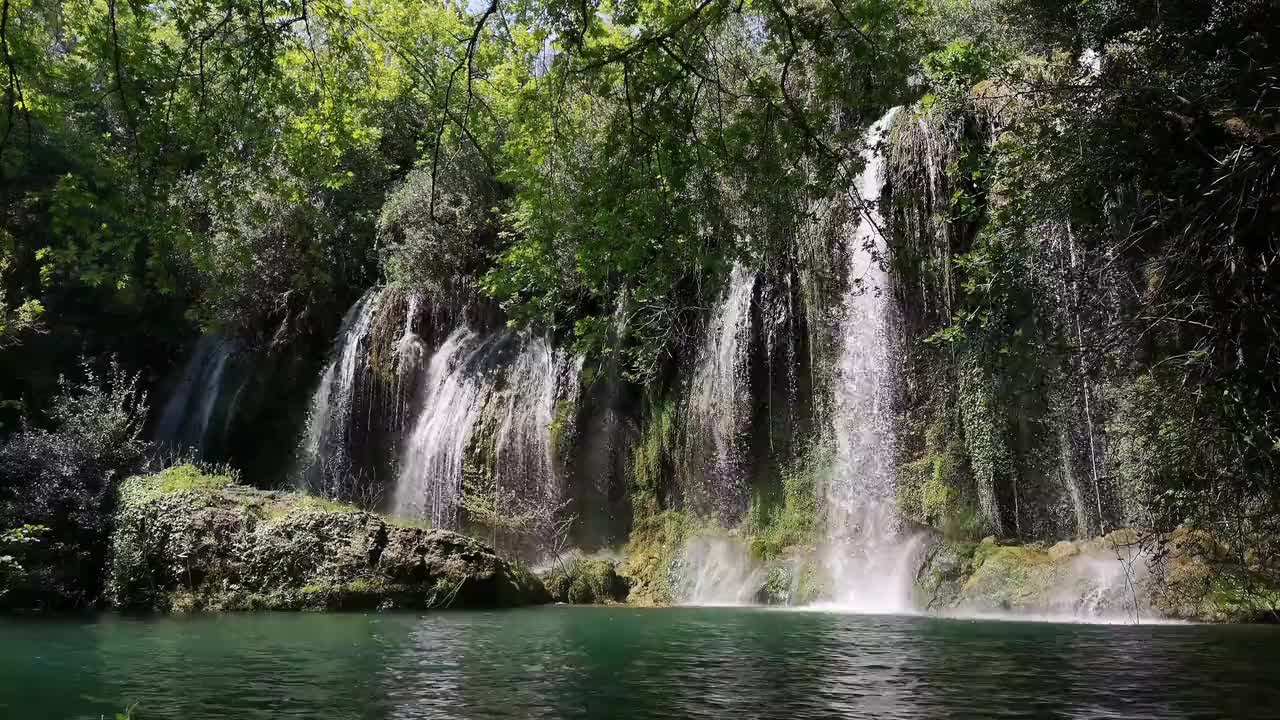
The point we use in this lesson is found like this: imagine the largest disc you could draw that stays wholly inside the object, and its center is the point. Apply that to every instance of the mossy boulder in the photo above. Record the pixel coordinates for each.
(947, 565)
(1015, 577)
(1087, 578)
(1202, 578)
(651, 554)
(792, 580)
(584, 581)
(185, 540)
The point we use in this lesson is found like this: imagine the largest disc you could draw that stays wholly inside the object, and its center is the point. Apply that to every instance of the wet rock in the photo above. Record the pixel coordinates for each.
(946, 567)
(1063, 550)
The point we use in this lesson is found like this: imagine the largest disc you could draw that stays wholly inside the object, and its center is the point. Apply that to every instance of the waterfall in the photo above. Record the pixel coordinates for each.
(410, 351)
(326, 462)
(187, 422)
(488, 404)
(524, 452)
(719, 396)
(456, 387)
(871, 567)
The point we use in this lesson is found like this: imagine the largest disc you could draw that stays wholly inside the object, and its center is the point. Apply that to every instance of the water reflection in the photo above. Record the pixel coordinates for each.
(631, 663)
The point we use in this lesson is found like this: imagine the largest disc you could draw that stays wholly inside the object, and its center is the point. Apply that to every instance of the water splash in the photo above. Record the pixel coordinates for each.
(871, 567)
(717, 571)
(718, 409)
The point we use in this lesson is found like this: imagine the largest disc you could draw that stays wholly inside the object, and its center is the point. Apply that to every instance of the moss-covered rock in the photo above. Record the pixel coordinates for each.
(792, 581)
(946, 568)
(1204, 579)
(584, 581)
(1016, 577)
(189, 541)
(651, 553)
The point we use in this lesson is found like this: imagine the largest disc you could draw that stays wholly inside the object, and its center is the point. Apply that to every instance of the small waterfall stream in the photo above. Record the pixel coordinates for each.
(326, 458)
(459, 378)
(870, 566)
(717, 409)
(200, 410)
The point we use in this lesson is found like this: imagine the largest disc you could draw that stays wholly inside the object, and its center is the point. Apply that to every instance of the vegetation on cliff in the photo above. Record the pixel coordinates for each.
(1080, 216)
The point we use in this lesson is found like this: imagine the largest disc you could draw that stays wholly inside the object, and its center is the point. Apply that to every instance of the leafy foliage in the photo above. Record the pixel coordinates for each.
(64, 479)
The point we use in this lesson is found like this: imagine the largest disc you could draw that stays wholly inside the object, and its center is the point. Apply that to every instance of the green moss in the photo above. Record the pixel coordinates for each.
(1011, 577)
(404, 522)
(585, 581)
(179, 478)
(793, 583)
(911, 480)
(651, 456)
(319, 504)
(934, 489)
(652, 548)
(560, 431)
(1205, 578)
(770, 528)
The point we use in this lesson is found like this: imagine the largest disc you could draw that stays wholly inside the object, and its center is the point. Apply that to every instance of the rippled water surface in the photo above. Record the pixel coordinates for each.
(630, 663)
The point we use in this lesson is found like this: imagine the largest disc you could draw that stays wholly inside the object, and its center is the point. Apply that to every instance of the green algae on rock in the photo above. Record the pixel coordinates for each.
(585, 581)
(187, 541)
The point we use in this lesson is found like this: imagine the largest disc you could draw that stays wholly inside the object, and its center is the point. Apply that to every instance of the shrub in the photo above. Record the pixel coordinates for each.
(438, 234)
(64, 478)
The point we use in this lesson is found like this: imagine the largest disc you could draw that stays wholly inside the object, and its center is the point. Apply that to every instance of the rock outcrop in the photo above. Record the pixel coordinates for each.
(1097, 579)
(1124, 575)
(191, 541)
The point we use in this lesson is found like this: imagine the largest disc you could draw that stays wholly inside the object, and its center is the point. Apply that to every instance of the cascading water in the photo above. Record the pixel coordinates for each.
(506, 381)
(870, 565)
(717, 409)
(455, 390)
(524, 450)
(187, 422)
(410, 352)
(717, 571)
(332, 411)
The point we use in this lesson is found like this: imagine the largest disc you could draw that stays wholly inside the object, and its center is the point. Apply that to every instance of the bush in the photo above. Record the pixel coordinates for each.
(587, 582)
(438, 234)
(64, 478)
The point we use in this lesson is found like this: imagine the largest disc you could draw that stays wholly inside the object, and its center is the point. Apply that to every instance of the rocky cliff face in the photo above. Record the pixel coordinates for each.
(190, 541)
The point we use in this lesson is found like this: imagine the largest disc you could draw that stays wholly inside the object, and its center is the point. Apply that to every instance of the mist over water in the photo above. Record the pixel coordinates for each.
(717, 571)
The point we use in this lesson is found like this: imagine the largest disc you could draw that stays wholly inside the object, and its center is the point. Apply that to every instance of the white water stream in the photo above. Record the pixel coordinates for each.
(869, 562)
